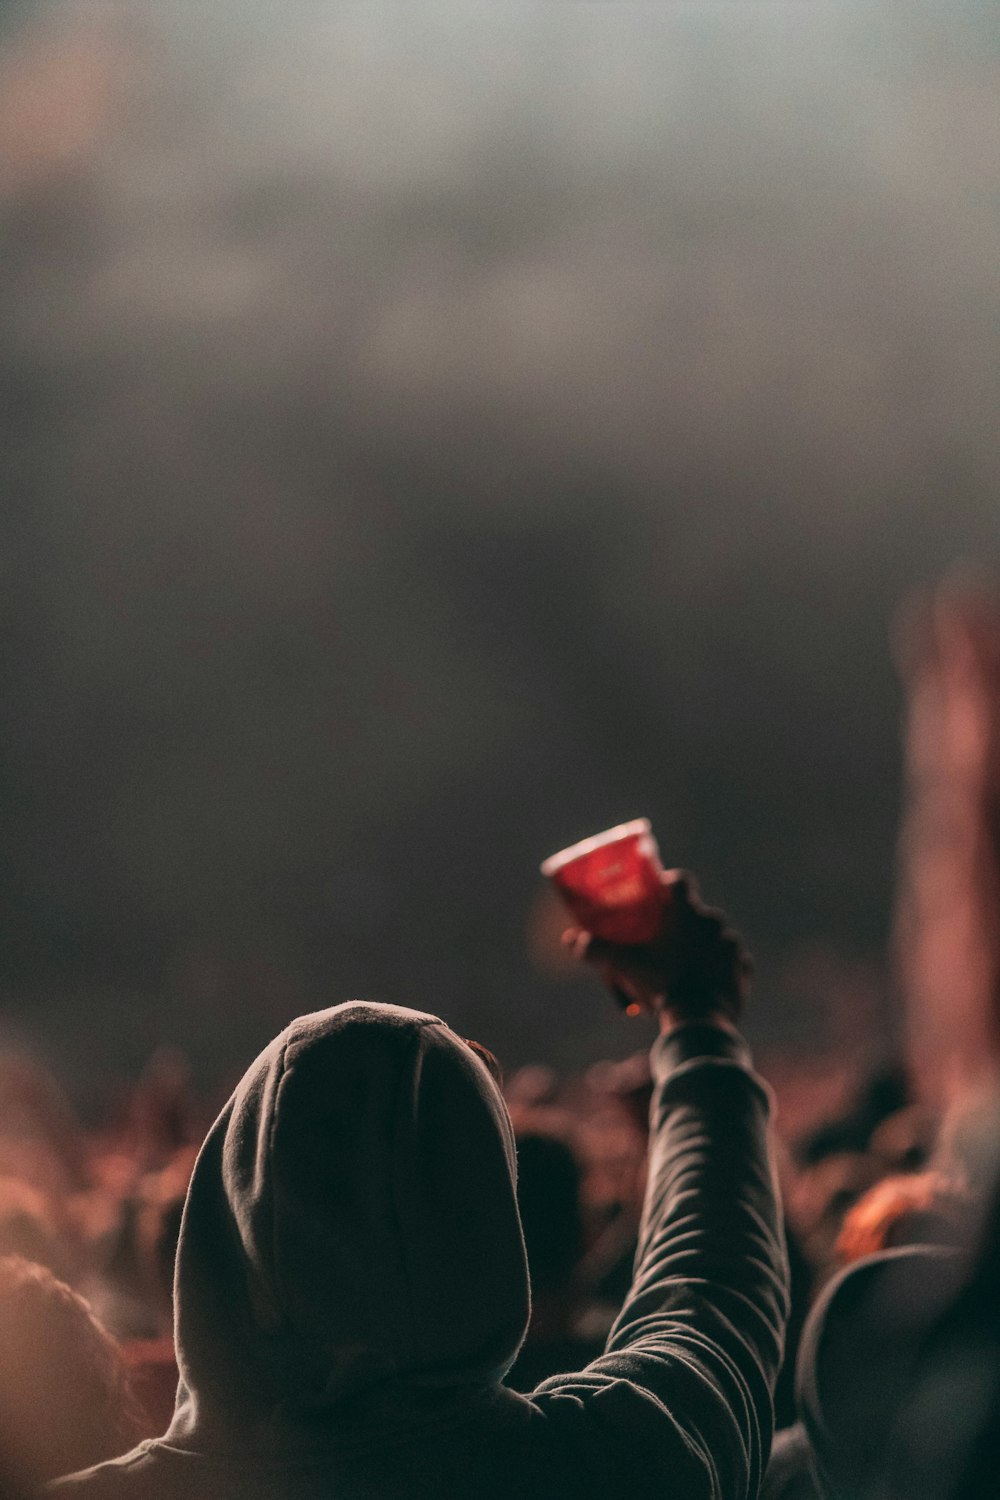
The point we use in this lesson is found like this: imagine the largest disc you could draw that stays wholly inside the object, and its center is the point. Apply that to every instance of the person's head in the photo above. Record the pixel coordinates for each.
(350, 1233)
(64, 1396)
(857, 1360)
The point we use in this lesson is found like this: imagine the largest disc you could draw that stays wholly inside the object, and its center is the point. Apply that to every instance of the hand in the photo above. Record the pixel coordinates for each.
(696, 969)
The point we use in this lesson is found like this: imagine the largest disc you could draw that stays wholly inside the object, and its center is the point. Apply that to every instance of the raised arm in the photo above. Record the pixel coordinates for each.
(684, 1388)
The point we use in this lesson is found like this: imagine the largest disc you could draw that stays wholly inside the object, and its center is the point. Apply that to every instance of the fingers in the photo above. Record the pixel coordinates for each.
(577, 941)
(594, 950)
(697, 961)
(681, 887)
(683, 891)
(631, 973)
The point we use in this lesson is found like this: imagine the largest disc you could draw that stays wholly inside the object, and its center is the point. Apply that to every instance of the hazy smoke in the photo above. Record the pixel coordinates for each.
(435, 433)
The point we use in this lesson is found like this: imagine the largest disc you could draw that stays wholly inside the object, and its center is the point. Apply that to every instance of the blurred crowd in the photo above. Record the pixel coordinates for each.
(90, 1216)
(98, 1210)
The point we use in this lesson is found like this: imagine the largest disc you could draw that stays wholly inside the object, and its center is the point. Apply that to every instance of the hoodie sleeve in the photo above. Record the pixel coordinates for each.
(680, 1402)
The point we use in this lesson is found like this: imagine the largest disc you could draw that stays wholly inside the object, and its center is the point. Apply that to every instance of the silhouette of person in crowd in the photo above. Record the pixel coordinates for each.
(351, 1283)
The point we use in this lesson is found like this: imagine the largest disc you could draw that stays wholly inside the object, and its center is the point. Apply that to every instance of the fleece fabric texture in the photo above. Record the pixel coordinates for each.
(351, 1289)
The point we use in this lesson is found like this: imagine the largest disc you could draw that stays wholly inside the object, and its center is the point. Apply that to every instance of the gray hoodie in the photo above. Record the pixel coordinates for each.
(351, 1289)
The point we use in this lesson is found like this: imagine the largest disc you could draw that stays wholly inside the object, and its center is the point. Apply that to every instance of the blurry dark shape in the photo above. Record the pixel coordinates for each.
(613, 1144)
(120, 1289)
(789, 1474)
(41, 1139)
(630, 1082)
(970, 1143)
(948, 941)
(860, 1349)
(837, 1165)
(160, 1118)
(947, 1439)
(883, 1094)
(899, 1379)
(134, 1261)
(946, 1444)
(12, 1486)
(153, 1376)
(948, 918)
(912, 1209)
(603, 1119)
(64, 1394)
(531, 1086)
(907, 1139)
(27, 1227)
(163, 1242)
(819, 1196)
(859, 1354)
(548, 1196)
(43, 1165)
(132, 1285)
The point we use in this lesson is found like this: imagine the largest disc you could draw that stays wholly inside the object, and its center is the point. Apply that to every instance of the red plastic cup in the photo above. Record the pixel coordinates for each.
(611, 883)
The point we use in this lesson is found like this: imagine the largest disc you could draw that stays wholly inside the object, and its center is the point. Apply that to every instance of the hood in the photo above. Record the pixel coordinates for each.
(350, 1233)
(856, 1364)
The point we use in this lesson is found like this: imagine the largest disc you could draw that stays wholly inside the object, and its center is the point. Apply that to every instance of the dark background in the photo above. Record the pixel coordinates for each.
(432, 434)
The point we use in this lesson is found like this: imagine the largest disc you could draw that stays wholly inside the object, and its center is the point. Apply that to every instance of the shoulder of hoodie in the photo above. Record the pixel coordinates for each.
(118, 1476)
(532, 1457)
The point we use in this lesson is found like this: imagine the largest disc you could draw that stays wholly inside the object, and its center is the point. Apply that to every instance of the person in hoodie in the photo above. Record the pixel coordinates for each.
(858, 1363)
(351, 1285)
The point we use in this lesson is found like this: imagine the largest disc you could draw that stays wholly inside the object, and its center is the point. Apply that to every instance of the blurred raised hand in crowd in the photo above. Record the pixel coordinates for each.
(899, 1368)
(948, 923)
(948, 937)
